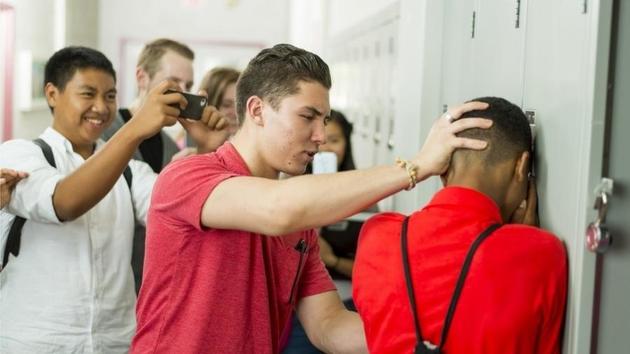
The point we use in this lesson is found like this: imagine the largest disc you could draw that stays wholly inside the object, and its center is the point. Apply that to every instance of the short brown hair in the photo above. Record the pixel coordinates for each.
(152, 53)
(275, 73)
(216, 81)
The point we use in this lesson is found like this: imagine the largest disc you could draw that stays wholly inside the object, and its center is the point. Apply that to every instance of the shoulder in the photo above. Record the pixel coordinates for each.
(533, 236)
(207, 163)
(20, 154)
(540, 247)
(380, 226)
(140, 168)
(385, 220)
(18, 144)
(192, 173)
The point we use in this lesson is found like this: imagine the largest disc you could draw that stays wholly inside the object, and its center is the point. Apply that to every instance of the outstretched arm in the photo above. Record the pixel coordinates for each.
(278, 207)
(99, 173)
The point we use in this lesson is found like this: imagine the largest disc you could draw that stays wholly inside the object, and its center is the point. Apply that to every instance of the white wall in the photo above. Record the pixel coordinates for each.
(41, 27)
(220, 32)
(343, 15)
(38, 40)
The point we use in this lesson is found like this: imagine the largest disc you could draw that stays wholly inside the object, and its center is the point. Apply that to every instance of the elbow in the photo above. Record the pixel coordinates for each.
(67, 212)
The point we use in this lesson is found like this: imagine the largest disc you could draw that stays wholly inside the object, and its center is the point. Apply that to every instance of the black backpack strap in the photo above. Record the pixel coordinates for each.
(423, 347)
(128, 176)
(47, 151)
(462, 278)
(13, 240)
(15, 233)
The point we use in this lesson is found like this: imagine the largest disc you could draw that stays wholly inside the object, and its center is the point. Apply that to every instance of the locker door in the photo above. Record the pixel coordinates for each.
(365, 123)
(385, 123)
(498, 50)
(613, 319)
(564, 81)
(457, 50)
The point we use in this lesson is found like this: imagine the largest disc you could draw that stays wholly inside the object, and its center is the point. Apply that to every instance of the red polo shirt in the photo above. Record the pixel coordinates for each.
(217, 291)
(514, 297)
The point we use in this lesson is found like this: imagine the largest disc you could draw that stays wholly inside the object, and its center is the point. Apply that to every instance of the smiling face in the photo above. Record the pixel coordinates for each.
(84, 108)
(293, 132)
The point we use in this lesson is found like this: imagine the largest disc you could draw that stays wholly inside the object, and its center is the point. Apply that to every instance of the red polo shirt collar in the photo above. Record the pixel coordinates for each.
(466, 201)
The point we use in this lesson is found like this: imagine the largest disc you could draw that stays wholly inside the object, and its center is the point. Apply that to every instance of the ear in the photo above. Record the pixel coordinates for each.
(142, 79)
(52, 94)
(521, 170)
(254, 109)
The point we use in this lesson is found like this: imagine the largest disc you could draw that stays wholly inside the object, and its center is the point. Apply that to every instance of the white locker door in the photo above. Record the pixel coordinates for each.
(388, 85)
(498, 50)
(365, 125)
(457, 51)
(561, 84)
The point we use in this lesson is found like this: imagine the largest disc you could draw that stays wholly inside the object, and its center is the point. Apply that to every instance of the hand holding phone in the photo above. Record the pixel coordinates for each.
(195, 106)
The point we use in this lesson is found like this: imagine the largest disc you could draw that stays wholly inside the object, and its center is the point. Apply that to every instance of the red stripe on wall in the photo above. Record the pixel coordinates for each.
(8, 52)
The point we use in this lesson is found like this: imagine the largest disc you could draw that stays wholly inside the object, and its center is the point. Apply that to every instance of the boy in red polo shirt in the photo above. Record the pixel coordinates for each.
(230, 247)
(512, 299)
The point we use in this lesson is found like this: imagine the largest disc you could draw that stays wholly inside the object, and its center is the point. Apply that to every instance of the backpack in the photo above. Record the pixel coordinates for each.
(15, 233)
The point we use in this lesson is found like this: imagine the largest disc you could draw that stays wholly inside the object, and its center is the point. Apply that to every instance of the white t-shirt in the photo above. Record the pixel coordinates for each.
(71, 289)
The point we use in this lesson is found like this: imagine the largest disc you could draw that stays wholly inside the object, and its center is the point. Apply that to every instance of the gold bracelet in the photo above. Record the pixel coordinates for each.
(411, 171)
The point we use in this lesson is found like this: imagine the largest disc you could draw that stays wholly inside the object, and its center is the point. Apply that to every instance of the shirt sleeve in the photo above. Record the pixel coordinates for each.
(32, 197)
(142, 182)
(315, 278)
(183, 187)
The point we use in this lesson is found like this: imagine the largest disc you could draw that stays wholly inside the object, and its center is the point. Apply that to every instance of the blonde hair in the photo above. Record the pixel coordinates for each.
(152, 53)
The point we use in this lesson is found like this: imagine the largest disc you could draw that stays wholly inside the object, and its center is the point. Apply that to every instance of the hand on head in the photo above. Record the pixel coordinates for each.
(435, 155)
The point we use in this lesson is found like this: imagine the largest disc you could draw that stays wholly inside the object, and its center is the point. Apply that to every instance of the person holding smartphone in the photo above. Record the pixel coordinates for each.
(68, 287)
(162, 59)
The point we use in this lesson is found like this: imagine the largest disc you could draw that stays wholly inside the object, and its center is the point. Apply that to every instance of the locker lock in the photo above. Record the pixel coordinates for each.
(598, 238)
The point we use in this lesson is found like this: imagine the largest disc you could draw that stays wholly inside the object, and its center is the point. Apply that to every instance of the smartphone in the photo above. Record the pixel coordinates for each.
(195, 106)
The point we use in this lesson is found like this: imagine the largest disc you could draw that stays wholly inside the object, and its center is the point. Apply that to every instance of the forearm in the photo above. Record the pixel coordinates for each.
(299, 203)
(313, 202)
(81, 190)
(343, 333)
(343, 266)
